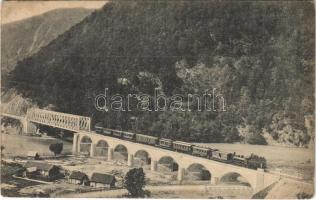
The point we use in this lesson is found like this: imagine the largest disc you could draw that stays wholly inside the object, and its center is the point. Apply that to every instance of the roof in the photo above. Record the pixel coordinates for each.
(78, 175)
(164, 139)
(200, 147)
(39, 165)
(102, 178)
(222, 152)
(147, 136)
(32, 153)
(31, 169)
(182, 143)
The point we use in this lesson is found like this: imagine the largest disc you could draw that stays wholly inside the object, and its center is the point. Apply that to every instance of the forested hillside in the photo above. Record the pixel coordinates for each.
(259, 55)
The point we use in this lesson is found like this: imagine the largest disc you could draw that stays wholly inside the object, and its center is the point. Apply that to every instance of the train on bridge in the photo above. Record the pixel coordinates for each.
(252, 161)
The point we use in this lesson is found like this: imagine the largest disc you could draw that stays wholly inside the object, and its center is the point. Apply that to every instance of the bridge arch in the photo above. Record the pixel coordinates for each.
(101, 148)
(258, 179)
(120, 153)
(167, 163)
(142, 158)
(85, 145)
(197, 171)
(236, 178)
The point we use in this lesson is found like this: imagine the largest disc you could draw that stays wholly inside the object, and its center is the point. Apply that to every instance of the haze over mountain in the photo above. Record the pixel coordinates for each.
(260, 56)
(25, 37)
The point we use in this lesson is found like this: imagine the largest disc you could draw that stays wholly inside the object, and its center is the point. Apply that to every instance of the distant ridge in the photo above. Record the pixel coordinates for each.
(23, 38)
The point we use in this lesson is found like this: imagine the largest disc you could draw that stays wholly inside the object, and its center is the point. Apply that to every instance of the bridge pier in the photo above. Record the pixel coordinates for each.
(259, 180)
(180, 174)
(153, 165)
(92, 148)
(28, 127)
(110, 153)
(75, 143)
(214, 180)
(130, 160)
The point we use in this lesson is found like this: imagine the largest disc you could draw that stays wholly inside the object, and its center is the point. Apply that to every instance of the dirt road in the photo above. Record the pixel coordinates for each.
(197, 191)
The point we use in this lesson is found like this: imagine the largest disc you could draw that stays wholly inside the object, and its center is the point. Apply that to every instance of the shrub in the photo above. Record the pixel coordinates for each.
(56, 148)
(134, 182)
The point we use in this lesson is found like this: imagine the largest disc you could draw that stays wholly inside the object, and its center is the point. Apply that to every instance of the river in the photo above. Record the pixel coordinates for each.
(20, 145)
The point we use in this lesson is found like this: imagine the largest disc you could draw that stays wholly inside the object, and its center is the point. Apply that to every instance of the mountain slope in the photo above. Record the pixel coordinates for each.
(23, 38)
(260, 56)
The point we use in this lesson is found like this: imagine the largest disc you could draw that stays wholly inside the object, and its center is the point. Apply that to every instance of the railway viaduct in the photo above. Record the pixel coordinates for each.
(96, 145)
(92, 143)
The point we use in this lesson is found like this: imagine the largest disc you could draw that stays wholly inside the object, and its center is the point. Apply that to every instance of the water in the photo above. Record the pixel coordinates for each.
(20, 145)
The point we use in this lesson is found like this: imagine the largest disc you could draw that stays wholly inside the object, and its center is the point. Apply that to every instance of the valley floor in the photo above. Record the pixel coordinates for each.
(294, 161)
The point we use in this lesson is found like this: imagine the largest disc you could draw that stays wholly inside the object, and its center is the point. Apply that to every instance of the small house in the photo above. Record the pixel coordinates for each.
(42, 171)
(78, 178)
(102, 180)
(33, 155)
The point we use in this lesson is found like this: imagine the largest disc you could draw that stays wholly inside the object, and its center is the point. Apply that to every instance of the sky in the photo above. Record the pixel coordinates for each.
(17, 10)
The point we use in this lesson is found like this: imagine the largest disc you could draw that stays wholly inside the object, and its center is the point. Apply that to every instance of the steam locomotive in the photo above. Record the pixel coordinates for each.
(252, 161)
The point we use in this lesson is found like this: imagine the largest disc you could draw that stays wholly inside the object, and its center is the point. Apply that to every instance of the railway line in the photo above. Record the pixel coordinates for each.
(252, 161)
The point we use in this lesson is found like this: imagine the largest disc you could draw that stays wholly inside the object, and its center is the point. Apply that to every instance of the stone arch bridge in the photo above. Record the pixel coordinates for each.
(91, 143)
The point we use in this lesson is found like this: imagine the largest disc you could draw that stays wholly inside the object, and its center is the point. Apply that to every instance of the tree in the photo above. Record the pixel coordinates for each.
(134, 182)
(303, 195)
(56, 148)
(254, 137)
(2, 149)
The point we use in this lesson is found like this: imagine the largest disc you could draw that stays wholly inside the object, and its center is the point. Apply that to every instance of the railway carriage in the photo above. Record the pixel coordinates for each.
(252, 161)
(165, 143)
(222, 156)
(107, 131)
(146, 139)
(184, 147)
(129, 136)
(101, 130)
(201, 151)
(118, 134)
(98, 127)
(240, 160)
